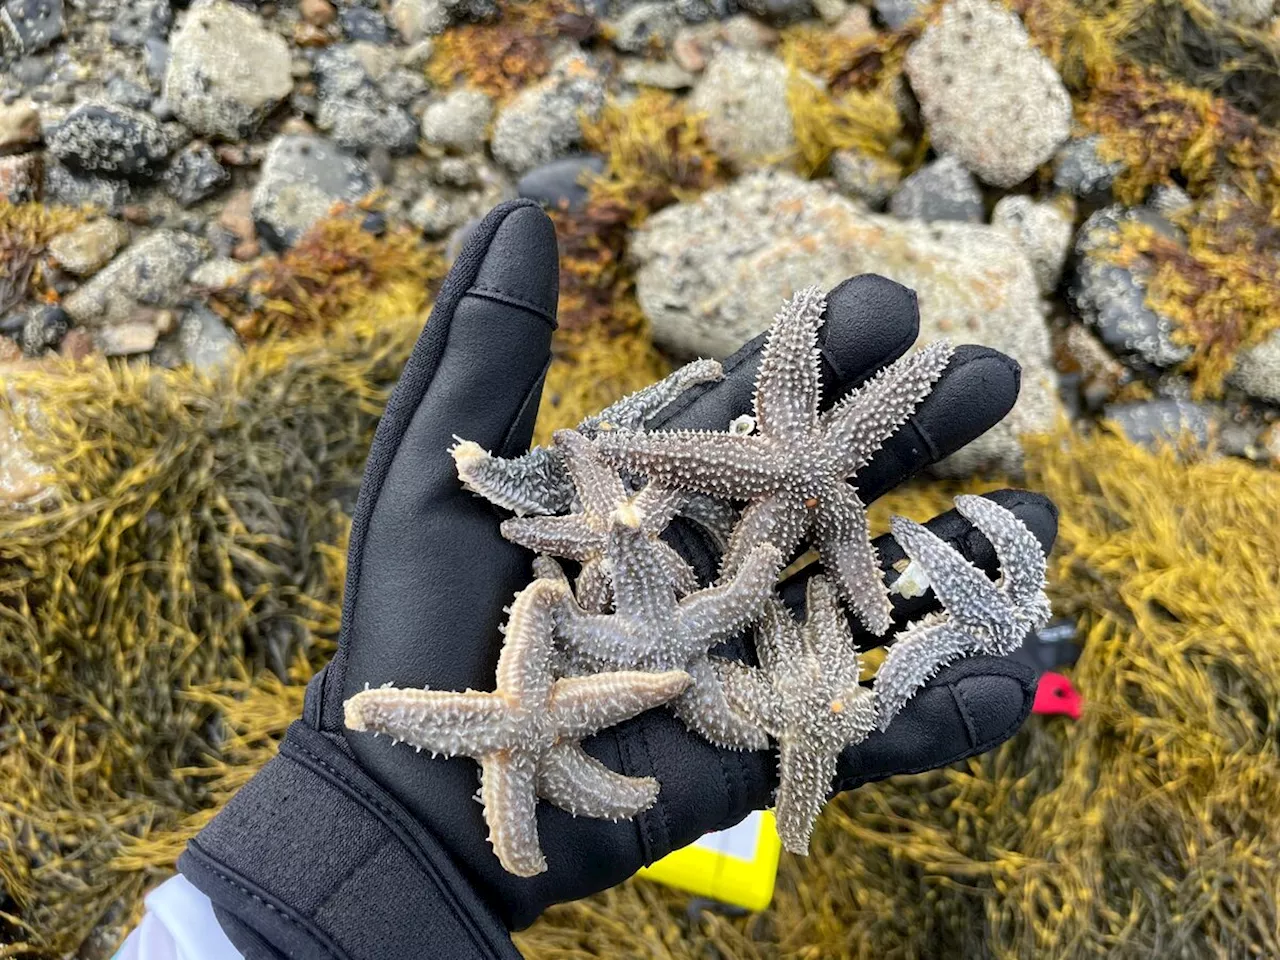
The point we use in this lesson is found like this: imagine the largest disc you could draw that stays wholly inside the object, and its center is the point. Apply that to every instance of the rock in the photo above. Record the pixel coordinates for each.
(896, 14)
(458, 121)
(30, 71)
(560, 184)
(207, 343)
(28, 26)
(543, 122)
(1247, 13)
(942, 190)
(644, 26)
(236, 216)
(89, 247)
(361, 23)
(139, 19)
(712, 273)
(19, 127)
(22, 177)
(44, 329)
(779, 12)
(217, 274)
(1112, 298)
(1079, 170)
(109, 140)
(1042, 230)
(744, 97)
(855, 24)
(663, 74)
(318, 13)
(127, 338)
(416, 19)
(21, 478)
(440, 209)
(302, 177)
(1164, 421)
(1257, 371)
(986, 94)
(226, 70)
(156, 53)
(360, 126)
(149, 273)
(341, 74)
(76, 345)
(865, 177)
(833, 11)
(195, 174)
(126, 93)
(64, 187)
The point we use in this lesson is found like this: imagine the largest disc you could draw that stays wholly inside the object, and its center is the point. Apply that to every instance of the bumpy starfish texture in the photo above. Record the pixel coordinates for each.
(979, 615)
(538, 482)
(525, 733)
(793, 470)
(584, 535)
(806, 696)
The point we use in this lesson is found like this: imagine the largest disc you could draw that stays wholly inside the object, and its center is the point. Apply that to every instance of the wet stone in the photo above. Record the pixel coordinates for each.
(109, 140)
(195, 174)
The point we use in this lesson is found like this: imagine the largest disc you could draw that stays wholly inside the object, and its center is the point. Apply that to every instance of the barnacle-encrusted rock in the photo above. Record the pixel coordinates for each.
(525, 733)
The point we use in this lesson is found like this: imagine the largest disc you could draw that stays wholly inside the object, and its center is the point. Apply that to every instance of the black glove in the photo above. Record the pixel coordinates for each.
(346, 846)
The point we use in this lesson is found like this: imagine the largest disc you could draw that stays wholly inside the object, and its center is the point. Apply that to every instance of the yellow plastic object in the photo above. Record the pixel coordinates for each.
(737, 866)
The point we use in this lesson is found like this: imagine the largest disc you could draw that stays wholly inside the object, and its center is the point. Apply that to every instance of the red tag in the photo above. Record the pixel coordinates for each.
(1056, 695)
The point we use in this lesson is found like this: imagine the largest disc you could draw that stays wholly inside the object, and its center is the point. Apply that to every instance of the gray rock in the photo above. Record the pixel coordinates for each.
(458, 121)
(986, 94)
(1112, 298)
(195, 174)
(360, 126)
(559, 184)
(109, 140)
(712, 273)
(865, 177)
(89, 247)
(340, 74)
(1257, 370)
(28, 26)
(543, 122)
(226, 70)
(302, 177)
(30, 71)
(440, 209)
(140, 19)
(778, 12)
(1042, 230)
(416, 19)
(44, 328)
(698, 11)
(1079, 170)
(1164, 421)
(128, 94)
(207, 343)
(67, 188)
(645, 25)
(743, 95)
(156, 59)
(663, 74)
(361, 23)
(149, 273)
(896, 14)
(941, 190)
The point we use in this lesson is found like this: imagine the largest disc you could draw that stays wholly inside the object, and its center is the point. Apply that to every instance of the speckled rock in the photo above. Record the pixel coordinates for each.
(72, 190)
(149, 273)
(358, 125)
(195, 174)
(941, 190)
(302, 177)
(986, 94)
(644, 26)
(1257, 370)
(439, 208)
(361, 23)
(106, 139)
(543, 122)
(1042, 230)
(744, 97)
(458, 120)
(88, 248)
(226, 70)
(865, 177)
(137, 20)
(712, 272)
(561, 183)
(1079, 170)
(19, 126)
(1162, 421)
(28, 26)
(207, 343)
(43, 329)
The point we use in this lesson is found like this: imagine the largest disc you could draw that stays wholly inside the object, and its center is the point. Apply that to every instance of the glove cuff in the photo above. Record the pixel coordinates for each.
(312, 858)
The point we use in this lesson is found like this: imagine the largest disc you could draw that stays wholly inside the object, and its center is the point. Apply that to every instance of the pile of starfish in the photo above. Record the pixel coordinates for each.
(634, 628)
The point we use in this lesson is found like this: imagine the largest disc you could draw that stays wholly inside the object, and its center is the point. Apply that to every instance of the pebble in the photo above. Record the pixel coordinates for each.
(361, 23)
(1079, 170)
(89, 247)
(22, 177)
(109, 140)
(941, 190)
(986, 94)
(44, 329)
(31, 71)
(217, 274)
(458, 121)
(358, 125)
(28, 26)
(127, 338)
(662, 74)
(207, 343)
(236, 216)
(561, 183)
(150, 273)
(19, 126)
(72, 190)
(1162, 421)
(865, 177)
(1042, 230)
(1257, 370)
(543, 122)
(76, 345)
(318, 13)
(195, 174)
(779, 12)
(226, 70)
(743, 95)
(896, 14)
(139, 19)
(302, 177)
(417, 19)
(438, 210)
(126, 93)
(645, 26)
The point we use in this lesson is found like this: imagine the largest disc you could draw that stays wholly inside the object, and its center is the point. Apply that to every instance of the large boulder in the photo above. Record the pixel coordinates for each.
(712, 273)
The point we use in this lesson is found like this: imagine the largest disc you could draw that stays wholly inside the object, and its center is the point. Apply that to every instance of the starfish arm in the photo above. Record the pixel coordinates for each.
(723, 610)
(524, 665)
(574, 781)
(642, 587)
(705, 710)
(969, 597)
(749, 693)
(778, 638)
(581, 706)
(633, 411)
(441, 722)
(804, 781)
(828, 630)
(914, 657)
(717, 464)
(595, 586)
(656, 506)
(546, 568)
(716, 517)
(787, 386)
(845, 548)
(857, 426)
(534, 483)
(569, 536)
(1023, 565)
(600, 490)
(857, 717)
(508, 783)
(606, 639)
(679, 573)
(780, 519)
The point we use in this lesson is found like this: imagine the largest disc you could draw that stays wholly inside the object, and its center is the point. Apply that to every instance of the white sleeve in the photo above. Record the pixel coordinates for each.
(179, 925)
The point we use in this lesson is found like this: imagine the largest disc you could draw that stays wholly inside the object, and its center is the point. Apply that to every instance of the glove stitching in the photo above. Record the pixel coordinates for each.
(659, 810)
(962, 705)
(512, 299)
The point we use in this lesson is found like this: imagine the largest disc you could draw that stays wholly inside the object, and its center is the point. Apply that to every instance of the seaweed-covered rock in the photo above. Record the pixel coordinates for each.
(942, 190)
(1042, 230)
(1079, 170)
(149, 273)
(865, 177)
(302, 177)
(458, 120)
(986, 94)
(743, 95)
(109, 140)
(543, 122)
(710, 271)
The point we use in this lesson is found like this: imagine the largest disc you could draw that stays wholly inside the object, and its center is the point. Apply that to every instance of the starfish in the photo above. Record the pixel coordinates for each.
(584, 535)
(805, 695)
(793, 467)
(526, 733)
(537, 482)
(979, 615)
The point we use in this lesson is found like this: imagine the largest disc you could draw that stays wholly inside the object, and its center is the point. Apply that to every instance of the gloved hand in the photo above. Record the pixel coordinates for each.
(347, 846)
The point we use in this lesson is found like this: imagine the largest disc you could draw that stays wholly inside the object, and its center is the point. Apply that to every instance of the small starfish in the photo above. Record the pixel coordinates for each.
(806, 695)
(525, 733)
(793, 470)
(584, 535)
(979, 615)
(537, 482)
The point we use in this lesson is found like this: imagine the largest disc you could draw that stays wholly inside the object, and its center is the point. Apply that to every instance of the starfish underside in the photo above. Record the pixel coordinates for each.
(526, 733)
(793, 471)
(979, 615)
(807, 697)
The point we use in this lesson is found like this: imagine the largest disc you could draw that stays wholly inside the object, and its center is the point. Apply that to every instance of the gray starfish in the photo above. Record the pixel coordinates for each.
(979, 615)
(537, 482)
(805, 695)
(793, 470)
(525, 733)
(584, 535)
